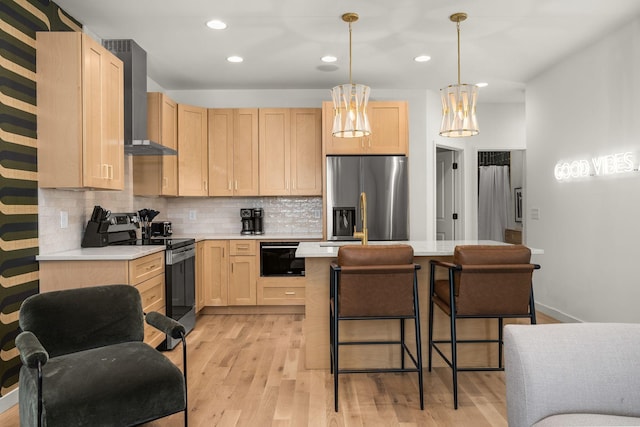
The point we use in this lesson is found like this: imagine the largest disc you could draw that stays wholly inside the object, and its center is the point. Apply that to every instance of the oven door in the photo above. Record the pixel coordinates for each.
(278, 259)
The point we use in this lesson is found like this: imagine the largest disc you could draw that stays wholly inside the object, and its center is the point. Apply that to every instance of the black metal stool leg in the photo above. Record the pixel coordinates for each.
(500, 326)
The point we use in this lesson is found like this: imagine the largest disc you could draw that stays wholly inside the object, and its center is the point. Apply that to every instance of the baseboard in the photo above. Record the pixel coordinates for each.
(9, 400)
(556, 314)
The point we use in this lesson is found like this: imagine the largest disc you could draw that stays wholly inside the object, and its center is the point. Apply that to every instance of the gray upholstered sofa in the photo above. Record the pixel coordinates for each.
(578, 374)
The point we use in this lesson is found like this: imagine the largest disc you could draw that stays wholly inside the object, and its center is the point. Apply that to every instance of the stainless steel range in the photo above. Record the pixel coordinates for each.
(107, 228)
(180, 283)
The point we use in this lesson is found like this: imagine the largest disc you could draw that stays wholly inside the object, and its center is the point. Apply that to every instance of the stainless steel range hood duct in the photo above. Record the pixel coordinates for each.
(135, 99)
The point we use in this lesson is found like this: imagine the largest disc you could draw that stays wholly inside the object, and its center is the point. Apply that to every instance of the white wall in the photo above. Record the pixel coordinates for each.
(587, 106)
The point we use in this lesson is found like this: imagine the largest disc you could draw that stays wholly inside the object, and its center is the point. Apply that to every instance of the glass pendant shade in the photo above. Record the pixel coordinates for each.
(459, 100)
(459, 110)
(350, 111)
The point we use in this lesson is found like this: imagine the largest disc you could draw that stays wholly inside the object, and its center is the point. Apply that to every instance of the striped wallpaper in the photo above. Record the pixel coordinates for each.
(19, 21)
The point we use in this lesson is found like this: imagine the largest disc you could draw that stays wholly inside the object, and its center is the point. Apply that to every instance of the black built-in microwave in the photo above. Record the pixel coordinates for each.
(278, 259)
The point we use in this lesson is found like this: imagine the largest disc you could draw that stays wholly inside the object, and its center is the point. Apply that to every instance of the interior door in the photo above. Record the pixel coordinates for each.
(445, 195)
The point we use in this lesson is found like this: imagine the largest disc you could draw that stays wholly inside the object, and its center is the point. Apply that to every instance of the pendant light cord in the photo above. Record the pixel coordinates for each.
(458, 26)
(350, 81)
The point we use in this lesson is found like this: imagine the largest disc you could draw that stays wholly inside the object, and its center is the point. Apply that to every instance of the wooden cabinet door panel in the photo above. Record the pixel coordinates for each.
(242, 280)
(275, 151)
(95, 162)
(169, 138)
(193, 172)
(306, 152)
(245, 152)
(221, 152)
(215, 276)
(113, 121)
(389, 128)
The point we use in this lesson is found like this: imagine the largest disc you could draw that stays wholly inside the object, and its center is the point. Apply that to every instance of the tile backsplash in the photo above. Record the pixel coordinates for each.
(214, 215)
(221, 215)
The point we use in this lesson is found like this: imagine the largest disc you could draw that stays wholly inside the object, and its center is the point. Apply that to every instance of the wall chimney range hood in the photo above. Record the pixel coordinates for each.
(135, 99)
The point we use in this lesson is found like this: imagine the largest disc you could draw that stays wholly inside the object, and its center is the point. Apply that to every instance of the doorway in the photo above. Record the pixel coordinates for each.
(500, 195)
(448, 191)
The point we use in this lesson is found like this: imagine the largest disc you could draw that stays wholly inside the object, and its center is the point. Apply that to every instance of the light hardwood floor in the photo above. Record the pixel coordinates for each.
(248, 370)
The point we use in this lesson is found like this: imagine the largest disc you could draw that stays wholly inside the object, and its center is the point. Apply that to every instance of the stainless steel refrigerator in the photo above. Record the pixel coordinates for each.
(385, 182)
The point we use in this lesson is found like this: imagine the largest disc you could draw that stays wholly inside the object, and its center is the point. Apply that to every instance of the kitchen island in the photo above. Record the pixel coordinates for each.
(318, 256)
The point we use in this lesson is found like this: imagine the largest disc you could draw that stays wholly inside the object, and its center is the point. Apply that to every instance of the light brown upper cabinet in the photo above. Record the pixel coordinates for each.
(233, 151)
(193, 171)
(158, 175)
(389, 130)
(80, 113)
(290, 151)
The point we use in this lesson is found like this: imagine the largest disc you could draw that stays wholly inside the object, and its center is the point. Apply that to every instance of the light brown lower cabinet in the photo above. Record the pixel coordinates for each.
(228, 274)
(214, 267)
(242, 272)
(145, 273)
(281, 291)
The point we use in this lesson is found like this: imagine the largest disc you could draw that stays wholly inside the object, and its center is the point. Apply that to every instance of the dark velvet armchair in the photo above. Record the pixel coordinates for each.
(84, 362)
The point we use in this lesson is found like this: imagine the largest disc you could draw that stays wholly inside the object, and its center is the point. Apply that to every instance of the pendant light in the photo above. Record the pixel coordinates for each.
(459, 100)
(350, 101)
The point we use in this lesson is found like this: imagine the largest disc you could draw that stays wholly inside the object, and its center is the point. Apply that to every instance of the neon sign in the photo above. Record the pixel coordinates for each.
(612, 164)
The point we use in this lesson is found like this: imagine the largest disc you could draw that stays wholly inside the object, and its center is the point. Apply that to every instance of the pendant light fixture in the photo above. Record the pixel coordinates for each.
(459, 100)
(350, 101)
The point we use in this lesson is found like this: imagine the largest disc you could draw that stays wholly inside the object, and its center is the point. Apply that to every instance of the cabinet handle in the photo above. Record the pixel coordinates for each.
(104, 171)
(206, 187)
(236, 185)
(289, 293)
(229, 187)
(293, 184)
(286, 186)
(165, 182)
(369, 141)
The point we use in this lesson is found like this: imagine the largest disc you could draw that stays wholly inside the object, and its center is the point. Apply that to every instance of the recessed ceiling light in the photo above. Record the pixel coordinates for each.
(216, 24)
(422, 58)
(482, 84)
(235, 59)
(329, 58)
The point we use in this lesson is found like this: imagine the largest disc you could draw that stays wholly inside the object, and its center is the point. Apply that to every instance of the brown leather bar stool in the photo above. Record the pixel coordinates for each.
(483, 282)
(373, 283)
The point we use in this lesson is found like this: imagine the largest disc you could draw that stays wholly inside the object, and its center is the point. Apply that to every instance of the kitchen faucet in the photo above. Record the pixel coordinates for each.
(364, 234)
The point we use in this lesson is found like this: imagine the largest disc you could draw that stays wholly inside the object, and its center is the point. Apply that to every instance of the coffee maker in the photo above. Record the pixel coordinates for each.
(246, 218)
(258, 224)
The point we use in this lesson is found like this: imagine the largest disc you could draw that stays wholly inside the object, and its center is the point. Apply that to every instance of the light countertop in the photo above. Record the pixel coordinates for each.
(285, 237)
(126, 252)
(107, 253)
(329, 249)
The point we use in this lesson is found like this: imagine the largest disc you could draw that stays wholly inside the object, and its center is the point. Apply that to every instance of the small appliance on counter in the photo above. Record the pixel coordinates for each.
(258, 224)
(252, 221)
(105, 228)
(246, 217)
(161, 228)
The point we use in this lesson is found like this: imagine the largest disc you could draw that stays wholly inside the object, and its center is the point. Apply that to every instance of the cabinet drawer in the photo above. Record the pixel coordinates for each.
(152, 293)
(146, 267)
(242, 247)
(153, 336)
(282, 296)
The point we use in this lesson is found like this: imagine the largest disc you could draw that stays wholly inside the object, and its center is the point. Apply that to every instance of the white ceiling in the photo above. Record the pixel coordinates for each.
(504, 42)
